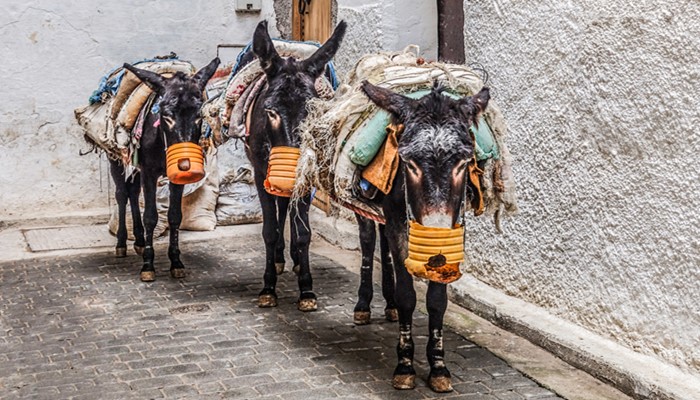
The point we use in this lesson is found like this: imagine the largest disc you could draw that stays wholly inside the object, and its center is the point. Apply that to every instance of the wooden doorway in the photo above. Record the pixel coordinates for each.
(316, 21)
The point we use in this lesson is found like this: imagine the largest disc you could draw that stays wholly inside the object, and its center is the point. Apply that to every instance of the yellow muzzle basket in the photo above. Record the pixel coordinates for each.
(435, 253)
(281, 171)
(185, 163)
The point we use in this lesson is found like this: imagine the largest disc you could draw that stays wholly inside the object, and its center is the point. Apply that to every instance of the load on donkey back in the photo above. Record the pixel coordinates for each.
(148, 121)
(414, 146)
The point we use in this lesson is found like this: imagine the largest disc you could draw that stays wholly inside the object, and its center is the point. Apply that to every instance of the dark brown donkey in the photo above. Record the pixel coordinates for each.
(430, 189)
(177, 121)
(279, 108)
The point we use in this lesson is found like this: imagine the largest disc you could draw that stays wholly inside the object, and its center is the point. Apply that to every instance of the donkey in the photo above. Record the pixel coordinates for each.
(274, 119)
(434, 150)
(177, 121)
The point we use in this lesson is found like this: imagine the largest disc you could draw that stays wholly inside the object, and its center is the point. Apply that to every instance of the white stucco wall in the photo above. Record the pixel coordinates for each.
(386, 26)
(54, 53)
(603, 100)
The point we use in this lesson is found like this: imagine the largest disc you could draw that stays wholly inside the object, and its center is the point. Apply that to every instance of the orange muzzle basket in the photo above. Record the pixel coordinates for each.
(435, 253)
(185, 163)
(281, 171)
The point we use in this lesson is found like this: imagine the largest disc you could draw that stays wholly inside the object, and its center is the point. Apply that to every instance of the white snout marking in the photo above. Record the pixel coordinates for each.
(438, 220)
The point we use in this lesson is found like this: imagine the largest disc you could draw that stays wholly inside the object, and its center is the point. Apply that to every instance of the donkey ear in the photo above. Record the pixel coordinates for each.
(315, 64)
(475, 105)
(270, 60)
(152, 79)
(203, 75)
(394, 103)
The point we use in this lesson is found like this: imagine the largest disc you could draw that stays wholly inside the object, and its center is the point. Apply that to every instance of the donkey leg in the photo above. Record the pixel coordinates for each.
(134, 192)
(388, 282)
(150, 219)
(294, 253)
(368, 236)
(404, 374)
(282, 205)
(177, 268)
(301, 234)
(436, 300)
(268, 295)
(121, 195)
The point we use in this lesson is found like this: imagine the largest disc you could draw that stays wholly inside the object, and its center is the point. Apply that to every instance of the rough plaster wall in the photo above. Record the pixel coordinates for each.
(283, 15)
(54, 53)
(386, 26)
(602, 101)
(375, 26)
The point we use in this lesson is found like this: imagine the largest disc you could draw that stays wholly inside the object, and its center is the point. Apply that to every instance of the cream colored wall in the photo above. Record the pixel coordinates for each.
(603, 104)
(386, 26)
(53, 54)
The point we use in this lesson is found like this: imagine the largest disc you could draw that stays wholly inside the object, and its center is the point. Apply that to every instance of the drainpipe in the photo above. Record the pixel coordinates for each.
(451, 31)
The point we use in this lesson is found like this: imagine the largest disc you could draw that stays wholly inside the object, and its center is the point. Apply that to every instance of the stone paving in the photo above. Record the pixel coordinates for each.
(84, 327)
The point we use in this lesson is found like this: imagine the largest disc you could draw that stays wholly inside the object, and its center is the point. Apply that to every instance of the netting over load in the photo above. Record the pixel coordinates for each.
(336, 133)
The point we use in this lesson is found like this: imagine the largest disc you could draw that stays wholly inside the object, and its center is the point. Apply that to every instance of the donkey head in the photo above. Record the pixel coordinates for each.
(181, 97)
(290, 83)
(435, 148)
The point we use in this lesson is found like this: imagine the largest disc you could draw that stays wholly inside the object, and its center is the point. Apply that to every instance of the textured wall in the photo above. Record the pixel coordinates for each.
(386, 26)
(602, 101)
(54, 53)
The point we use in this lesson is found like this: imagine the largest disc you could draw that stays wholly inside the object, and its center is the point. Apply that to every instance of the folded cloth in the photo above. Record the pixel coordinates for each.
(382, 170)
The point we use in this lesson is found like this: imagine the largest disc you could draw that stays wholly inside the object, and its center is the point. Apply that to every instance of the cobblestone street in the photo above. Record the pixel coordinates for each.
(85, 327)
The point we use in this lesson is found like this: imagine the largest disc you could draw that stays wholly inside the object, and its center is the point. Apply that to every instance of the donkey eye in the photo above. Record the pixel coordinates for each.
(461, 167)
(169, 121)
(412, 167)
(271, 114)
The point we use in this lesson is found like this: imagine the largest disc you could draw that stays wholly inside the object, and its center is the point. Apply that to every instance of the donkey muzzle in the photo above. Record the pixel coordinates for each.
(185, 163)
(281, 171)
(435, 253)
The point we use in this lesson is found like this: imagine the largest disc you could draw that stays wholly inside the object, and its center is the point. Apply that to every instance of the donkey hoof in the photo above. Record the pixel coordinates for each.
(267, 301)
(279, 267)
(307, 305)
(148, 276)
(296, 269)
(391, 314)
(361, 317)
(139, 249)
(177, 273)
(120, 252)
(440, 384)
(404, 382)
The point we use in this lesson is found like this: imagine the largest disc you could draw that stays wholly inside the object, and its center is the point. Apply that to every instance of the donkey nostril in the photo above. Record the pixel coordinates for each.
(437, 261)
(183, 164)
